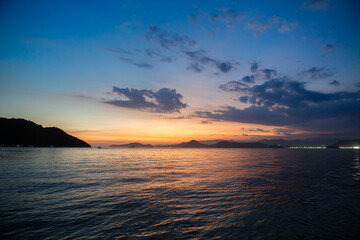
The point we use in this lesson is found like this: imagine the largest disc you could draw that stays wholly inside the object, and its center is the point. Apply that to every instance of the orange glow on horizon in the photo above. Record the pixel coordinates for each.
(173, 131)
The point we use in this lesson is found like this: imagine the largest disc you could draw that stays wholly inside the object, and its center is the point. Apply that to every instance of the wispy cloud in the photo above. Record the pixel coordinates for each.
(318, 72)
(287, 26)
(316, 5)
(167, 39)
(259, 27)
(200, 58)
(328, 47)
(137, 64)
(226, 15)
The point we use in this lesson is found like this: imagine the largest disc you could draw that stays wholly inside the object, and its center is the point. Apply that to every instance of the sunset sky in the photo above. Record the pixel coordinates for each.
(171, 71)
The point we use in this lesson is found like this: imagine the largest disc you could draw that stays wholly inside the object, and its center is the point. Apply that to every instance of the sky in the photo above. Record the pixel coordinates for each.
(171, 71)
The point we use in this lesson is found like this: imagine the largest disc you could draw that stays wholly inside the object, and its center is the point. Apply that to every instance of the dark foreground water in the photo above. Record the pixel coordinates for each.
(179, 194)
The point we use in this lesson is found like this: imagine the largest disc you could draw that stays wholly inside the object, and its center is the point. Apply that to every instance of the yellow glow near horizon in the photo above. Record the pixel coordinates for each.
(170, 131)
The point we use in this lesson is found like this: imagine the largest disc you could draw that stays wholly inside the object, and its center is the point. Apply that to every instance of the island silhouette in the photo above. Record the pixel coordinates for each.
(24, 133)
(21, 132)
(197, 144)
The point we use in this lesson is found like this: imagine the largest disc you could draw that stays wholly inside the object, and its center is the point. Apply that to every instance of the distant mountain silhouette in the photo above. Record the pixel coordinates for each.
(14, 132)
(197, 144)
(347, 143)
(132, 145)
(191, 144)
(226, 144)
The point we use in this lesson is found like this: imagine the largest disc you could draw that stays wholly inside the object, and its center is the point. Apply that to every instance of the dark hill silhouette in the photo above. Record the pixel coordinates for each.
(132, 145)
(196, 144)
(191, 144)
(348, 143)
(26, 133)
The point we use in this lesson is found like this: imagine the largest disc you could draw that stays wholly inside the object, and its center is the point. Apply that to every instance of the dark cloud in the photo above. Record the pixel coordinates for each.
(253, 114)
(243, 84)
(318, 72)
(328, 47)
(168, 40)
(244, 99)
(201, 58)
(195, 67)
(254, 66)
(236, 86)
(264, 74)
(143, 65)
(357, 84)
(316, 5)
(163, 101)
(269, 73)
(181, 45)
(334, 83)
(301, 117)
(259, 27)
(281, 101)
(248, 79)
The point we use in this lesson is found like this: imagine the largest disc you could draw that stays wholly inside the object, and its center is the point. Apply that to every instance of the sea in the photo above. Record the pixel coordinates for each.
(162, 193)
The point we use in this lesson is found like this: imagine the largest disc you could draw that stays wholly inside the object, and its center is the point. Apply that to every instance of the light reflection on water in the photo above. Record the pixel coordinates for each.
(179, 193)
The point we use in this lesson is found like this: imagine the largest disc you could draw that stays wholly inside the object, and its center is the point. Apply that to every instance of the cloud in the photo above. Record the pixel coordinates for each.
(120, 51)
(334, 83)
(284, 131)
(151, 52)
(328, 47)
(236, 86)
(281, 101)
(130, 25)
(253, 114)
(316, 5)
(257, 130)
(254, 66)
(259, 28)
(195, 67)
(226, 15)
(287, 26)
(163, 101)
(318, 72)
(259, 73)
(200, 58)
(206, 122)
(168, 40)
(301, 116)
(243, 84)
(143, 65)
(137, 64)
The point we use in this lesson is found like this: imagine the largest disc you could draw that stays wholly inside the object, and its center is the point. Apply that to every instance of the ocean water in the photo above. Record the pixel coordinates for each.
(179, 193)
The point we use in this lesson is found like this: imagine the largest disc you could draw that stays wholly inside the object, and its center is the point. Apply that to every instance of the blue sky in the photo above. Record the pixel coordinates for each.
(119, 65)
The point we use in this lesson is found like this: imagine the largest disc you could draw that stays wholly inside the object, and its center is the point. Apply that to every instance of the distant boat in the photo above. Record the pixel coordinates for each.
(99, 147)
